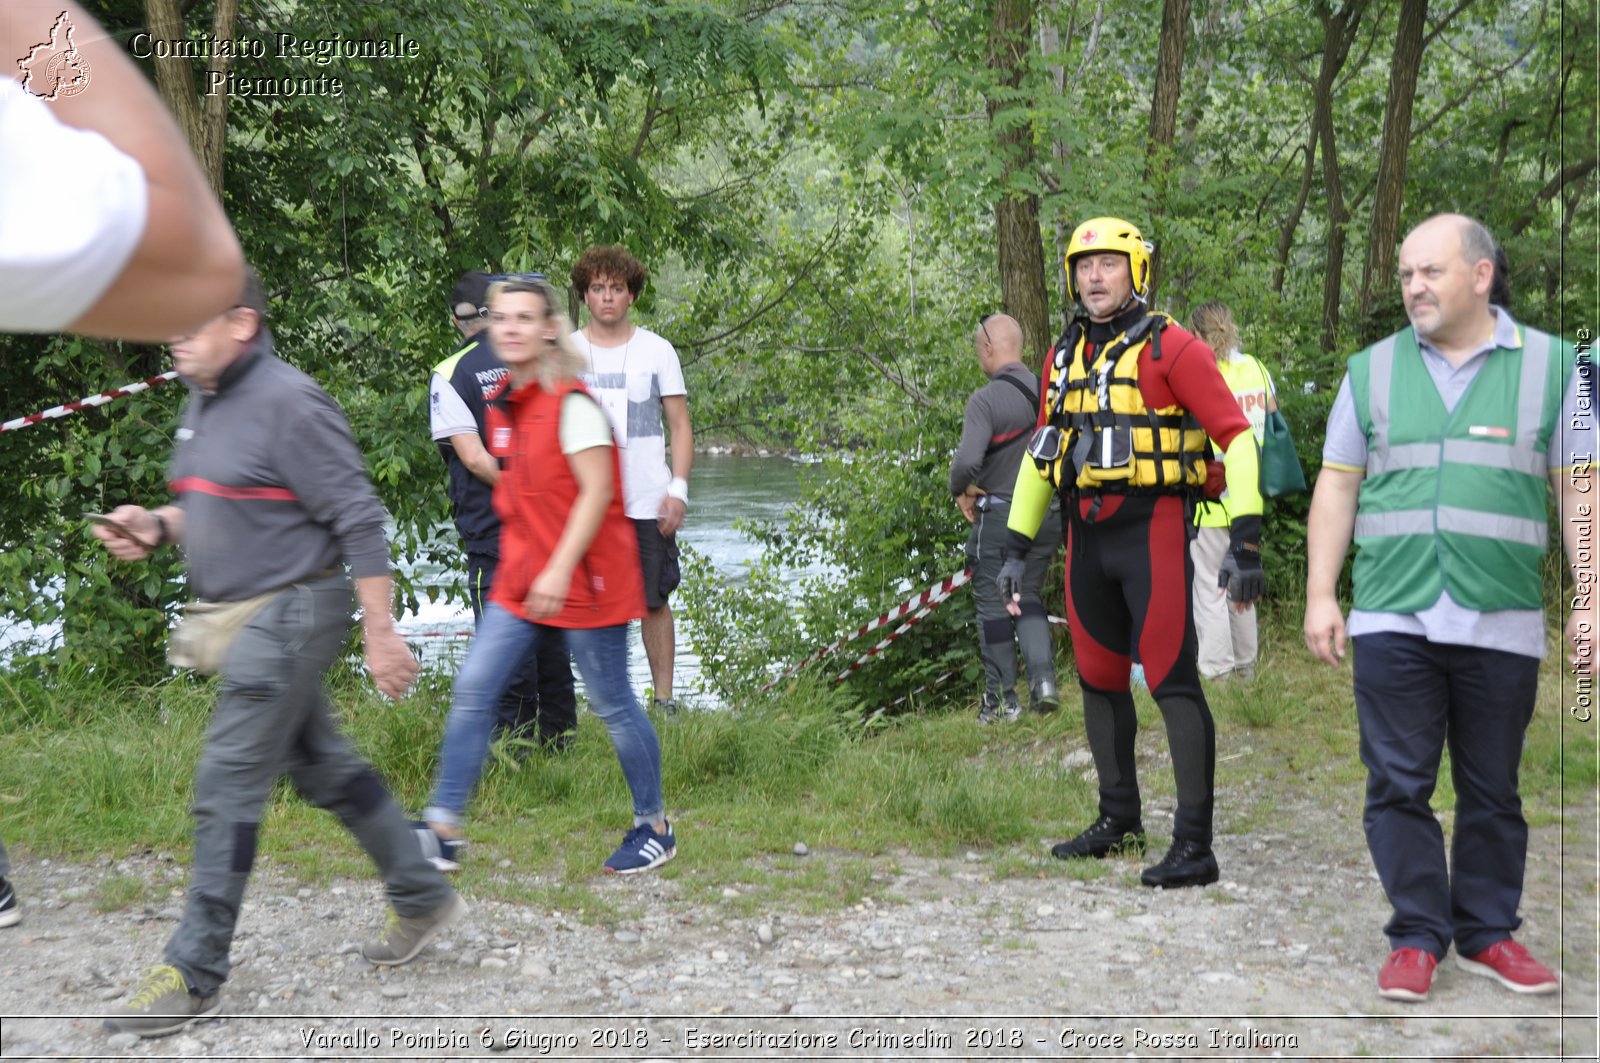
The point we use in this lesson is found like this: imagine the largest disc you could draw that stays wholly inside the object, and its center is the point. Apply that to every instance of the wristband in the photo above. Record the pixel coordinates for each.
(679, 489)
(162, 537)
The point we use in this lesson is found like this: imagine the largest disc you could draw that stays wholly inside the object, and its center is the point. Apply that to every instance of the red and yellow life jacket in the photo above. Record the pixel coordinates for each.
(1112, 442)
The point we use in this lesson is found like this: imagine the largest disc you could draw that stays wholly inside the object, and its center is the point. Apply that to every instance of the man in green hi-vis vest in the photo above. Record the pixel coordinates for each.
(1440, 447)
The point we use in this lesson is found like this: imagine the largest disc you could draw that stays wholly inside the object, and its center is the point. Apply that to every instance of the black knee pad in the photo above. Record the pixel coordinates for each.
(365, 792)
(997, 629)
(243, 857)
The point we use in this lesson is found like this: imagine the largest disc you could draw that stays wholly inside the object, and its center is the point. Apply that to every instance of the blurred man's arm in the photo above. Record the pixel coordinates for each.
(186, 266)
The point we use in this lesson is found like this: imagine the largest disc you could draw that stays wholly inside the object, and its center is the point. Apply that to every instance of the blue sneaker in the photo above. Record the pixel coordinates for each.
(642, 849)
(442, 853)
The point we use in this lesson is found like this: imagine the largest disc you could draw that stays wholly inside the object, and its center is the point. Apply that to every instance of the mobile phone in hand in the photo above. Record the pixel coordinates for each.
(116, 527)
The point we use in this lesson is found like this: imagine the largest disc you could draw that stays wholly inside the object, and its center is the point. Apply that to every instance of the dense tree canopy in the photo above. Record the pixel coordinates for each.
(829, 194)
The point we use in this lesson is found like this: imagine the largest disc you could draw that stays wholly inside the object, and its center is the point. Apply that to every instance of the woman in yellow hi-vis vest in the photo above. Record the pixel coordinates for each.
(1227, 636)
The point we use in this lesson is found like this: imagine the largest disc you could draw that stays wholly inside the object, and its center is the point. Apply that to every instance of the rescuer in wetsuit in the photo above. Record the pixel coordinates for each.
(1130, 399)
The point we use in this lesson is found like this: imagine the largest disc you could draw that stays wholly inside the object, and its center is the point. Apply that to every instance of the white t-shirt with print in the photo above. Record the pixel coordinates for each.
(72, 209)
(630, 381)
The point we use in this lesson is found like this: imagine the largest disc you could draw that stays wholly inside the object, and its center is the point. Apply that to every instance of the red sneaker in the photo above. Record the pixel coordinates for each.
(1408, 975)
(1509, 964)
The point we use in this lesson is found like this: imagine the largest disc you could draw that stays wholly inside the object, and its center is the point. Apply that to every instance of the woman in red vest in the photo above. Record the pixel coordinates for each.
(568, 559)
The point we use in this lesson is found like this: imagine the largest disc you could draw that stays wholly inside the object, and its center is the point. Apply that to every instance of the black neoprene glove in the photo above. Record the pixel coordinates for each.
(1241, 568)
(1013, 565)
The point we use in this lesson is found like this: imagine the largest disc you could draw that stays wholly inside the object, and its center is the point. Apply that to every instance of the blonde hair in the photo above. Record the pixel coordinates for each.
(1213, 322)
(563, 363)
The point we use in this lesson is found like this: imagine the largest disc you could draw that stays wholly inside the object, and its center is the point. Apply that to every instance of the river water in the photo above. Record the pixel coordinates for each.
(723, 489)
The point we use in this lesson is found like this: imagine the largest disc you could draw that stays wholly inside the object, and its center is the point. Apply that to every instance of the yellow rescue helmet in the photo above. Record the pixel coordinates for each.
(1099, 235)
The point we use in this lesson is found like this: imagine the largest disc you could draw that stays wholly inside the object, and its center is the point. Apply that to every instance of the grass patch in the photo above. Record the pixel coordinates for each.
(87, 770)
(121, 892)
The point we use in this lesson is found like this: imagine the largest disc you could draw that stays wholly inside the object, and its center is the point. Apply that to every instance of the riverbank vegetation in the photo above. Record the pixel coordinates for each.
(829, 196)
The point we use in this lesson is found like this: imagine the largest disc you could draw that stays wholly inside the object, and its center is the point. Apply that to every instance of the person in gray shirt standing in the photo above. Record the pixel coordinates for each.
(273, 504)
(994, 434)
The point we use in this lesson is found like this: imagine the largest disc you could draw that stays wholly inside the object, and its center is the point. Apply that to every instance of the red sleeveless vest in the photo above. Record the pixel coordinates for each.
(535, 495)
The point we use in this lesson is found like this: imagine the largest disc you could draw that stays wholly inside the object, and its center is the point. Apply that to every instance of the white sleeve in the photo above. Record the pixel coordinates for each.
(669, 372)
(447, 413)
(72, 211)
(584, 424)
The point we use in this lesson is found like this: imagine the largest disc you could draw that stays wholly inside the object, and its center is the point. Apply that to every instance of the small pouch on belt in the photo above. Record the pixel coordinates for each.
(202, 637)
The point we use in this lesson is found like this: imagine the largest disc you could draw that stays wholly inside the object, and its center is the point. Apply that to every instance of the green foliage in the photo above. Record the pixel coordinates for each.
(813, 187)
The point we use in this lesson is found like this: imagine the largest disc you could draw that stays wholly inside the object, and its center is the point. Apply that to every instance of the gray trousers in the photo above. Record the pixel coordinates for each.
(999, 633)
(273, 718)
(5, 861)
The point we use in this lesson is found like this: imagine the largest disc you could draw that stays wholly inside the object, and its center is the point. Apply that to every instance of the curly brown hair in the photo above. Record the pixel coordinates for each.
(608, 260)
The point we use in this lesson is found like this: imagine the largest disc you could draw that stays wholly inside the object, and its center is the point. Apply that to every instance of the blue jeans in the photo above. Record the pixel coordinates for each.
(503, 641)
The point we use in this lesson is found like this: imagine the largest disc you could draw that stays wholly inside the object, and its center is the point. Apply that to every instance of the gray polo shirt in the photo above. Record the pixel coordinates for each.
(995, 428)
(272, 486)
(1512, 630)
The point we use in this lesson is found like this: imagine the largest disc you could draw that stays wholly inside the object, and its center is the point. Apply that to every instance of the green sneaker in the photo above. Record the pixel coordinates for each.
(404, 936)
(163, 1004)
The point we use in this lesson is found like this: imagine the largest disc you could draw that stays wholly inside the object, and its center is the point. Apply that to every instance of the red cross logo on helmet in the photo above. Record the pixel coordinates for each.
(1090, 236)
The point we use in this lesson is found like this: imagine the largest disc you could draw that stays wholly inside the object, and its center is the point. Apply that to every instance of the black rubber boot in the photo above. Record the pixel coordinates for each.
(1187, 863)
(1103, 837)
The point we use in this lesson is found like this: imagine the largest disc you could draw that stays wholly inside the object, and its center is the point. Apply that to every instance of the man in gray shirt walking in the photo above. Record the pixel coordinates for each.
(273, 504)
(994, 435)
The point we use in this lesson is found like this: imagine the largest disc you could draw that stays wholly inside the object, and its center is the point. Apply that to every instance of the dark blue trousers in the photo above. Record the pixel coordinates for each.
(540, 702)
(1414, 699)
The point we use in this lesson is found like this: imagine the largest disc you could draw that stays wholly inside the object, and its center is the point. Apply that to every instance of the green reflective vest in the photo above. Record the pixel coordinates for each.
(1455, 499)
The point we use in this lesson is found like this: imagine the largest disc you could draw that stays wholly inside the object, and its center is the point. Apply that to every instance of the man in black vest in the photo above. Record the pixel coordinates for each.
(541, 701)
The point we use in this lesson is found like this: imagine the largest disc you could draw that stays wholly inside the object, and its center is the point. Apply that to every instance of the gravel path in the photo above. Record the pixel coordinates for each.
(945, 960)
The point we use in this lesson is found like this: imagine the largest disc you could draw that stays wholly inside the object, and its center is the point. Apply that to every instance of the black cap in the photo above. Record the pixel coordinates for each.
(471, 294)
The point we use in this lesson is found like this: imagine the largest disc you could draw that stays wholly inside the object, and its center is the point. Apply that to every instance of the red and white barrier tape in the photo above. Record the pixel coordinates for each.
(437, 634)
(897, 632)
(926, 686)
(942, 589)
(93, 400)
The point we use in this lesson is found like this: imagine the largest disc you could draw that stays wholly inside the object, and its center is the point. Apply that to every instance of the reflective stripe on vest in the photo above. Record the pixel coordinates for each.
(1464, 506)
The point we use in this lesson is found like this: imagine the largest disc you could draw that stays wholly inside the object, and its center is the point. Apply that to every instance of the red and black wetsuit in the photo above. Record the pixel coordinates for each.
(1128, 578)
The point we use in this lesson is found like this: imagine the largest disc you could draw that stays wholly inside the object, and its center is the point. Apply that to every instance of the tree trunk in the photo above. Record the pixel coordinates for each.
(1385, 230)
(1169, 80)
(1058, 51)
(1019, 246)
(1211, 37)
(1333, 270)
(1286, 231)
(1339, 32)
(205, 125)
(1164, 116)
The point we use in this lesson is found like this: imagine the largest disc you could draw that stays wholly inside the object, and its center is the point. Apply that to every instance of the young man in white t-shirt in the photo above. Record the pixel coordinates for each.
(637, 378)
